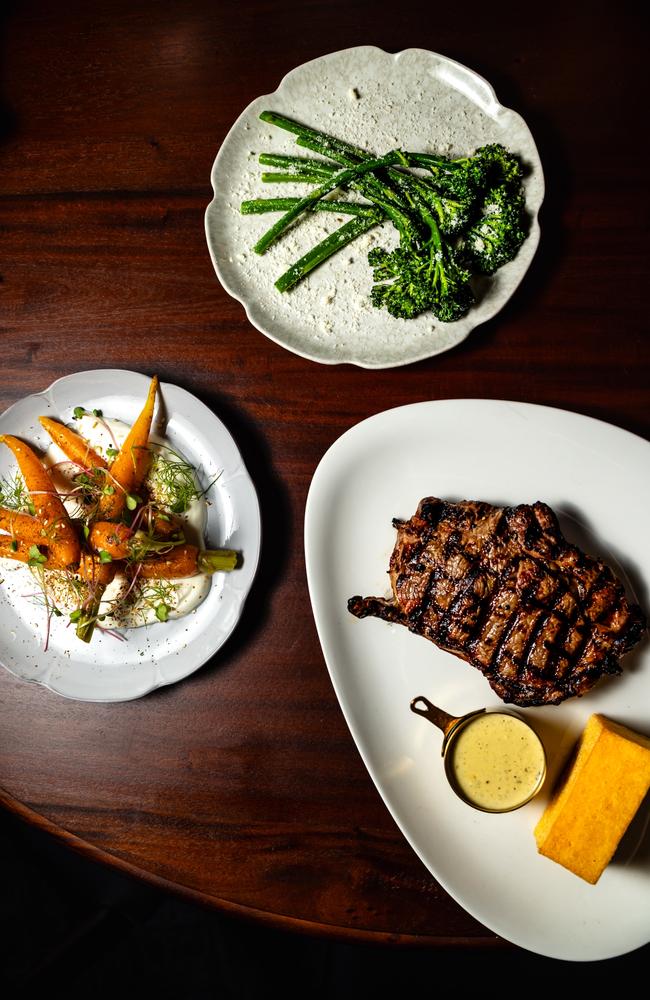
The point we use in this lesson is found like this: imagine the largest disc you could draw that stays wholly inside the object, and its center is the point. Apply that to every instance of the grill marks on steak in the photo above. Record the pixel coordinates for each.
(502, 588)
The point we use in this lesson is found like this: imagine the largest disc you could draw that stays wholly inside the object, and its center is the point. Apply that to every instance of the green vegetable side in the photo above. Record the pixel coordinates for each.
(455, 218)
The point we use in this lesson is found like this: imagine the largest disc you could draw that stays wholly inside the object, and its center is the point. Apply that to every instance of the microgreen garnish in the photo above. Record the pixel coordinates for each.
(81, 411)
(173, 482)
(50, 589)
(36, 557)
(142, 528)
(15, 496)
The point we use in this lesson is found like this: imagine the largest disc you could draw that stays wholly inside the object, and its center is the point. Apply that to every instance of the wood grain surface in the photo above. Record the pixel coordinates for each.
(242, 786)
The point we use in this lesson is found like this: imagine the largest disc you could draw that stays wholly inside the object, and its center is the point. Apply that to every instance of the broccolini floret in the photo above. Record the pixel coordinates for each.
(460, 178)
(501, 165)
(424, 272)
(452, 214)
(463, 216)
(497, 236)
(410, 281)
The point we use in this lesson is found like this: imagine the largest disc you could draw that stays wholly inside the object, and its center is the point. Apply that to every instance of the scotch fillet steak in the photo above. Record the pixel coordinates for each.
(503, 589)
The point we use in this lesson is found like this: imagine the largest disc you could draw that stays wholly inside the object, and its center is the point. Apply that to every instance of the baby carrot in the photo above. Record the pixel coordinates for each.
(35, 553)
(122, 542)
(95, 572)
(13, 548)
(61, 537)
(91, 569)
(73, 445)
(111, 537)
(187, 560)
(22, 527)
(132, 462)
(162, 525)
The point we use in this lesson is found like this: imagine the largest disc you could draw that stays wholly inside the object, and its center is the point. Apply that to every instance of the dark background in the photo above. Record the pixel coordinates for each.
(76, 928)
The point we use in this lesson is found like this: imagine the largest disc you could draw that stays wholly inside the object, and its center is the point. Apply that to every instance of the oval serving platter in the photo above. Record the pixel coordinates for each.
(463, 449)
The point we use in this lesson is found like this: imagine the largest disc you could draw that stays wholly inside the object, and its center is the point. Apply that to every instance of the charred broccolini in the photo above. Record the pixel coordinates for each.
(454, 217)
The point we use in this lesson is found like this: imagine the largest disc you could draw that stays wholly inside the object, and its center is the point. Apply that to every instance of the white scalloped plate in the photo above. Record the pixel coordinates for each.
(108, 669)
(416, 100)
(597, 478)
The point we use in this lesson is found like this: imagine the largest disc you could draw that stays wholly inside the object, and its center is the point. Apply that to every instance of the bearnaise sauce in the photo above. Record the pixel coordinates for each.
(498, 762)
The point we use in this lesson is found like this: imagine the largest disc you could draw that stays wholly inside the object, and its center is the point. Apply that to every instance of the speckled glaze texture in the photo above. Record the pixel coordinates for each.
(108, 669)
(416, 100)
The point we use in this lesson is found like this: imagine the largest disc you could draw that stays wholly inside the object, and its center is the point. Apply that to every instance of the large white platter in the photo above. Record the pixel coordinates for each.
(417, 100)
(597, 478)
(108, 669)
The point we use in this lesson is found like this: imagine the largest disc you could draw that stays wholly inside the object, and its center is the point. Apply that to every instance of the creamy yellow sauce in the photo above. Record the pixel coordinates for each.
(497, 761)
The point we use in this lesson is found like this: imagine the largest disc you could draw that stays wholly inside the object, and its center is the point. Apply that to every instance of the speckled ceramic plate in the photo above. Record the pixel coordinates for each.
(415, 100)
(109, 669)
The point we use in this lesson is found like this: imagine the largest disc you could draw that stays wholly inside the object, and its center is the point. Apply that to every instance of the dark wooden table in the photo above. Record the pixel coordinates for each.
(110, 117)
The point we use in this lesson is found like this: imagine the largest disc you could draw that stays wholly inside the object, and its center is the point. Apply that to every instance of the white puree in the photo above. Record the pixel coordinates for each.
(184, 595)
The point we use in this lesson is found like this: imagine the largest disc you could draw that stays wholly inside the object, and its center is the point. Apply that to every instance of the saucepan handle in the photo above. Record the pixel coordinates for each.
(443, 720)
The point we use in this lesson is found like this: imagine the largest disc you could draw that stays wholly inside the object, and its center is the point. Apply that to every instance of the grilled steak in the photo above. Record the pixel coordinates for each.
(503, 589)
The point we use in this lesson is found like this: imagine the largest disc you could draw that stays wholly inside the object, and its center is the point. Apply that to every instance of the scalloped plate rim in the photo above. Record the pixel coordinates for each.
(251, 306)
(241, 594)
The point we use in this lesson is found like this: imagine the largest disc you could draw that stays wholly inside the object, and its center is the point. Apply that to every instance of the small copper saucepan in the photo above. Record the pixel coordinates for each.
(494, 761)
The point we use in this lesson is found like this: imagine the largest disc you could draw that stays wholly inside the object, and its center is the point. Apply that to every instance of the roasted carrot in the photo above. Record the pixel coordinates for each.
(122, 542)
(73, 445)
(95, 572)
(23, 527)
(187, 560)
(13, 548)
(61, 537)
(111, 537)
(127, 472)
(162, 525)
(91, 569)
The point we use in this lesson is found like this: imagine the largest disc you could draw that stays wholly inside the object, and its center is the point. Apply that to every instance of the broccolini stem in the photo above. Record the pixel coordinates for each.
(334, 148)
(346, 154)
(339, 179)
(300, 164)
(411, 186)
(370, 187)
(335, 241)
(257, 206)
(431, 160)
(296, 168)
(276, 177)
